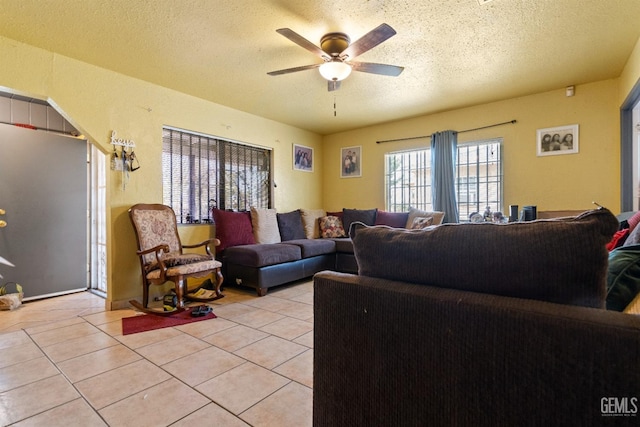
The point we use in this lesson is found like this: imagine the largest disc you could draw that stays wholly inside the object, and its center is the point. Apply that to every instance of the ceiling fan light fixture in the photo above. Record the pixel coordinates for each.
(335, 70)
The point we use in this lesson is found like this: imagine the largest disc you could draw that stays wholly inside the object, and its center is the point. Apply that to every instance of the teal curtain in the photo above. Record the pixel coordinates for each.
(444, 150)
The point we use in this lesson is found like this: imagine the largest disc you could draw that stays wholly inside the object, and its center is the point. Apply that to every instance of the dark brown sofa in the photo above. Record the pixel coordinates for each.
(397, 345)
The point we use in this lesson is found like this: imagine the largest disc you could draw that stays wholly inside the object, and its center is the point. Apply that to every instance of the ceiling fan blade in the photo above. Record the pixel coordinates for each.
(334, 85)
(373, 68)
(293, 70)
(301, 41)
(370, 40)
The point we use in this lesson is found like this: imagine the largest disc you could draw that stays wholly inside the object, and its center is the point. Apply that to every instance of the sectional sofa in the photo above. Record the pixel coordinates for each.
(262, 248)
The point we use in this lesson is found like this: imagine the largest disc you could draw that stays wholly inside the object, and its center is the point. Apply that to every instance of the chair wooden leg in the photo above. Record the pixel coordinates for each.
(145, 295)
(181, 291)
(219, 280)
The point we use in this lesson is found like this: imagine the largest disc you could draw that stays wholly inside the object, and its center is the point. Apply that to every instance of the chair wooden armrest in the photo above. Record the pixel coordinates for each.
(207, 245)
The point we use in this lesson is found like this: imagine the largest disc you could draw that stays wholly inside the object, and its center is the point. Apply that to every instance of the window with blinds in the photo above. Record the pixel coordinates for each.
(200, 172)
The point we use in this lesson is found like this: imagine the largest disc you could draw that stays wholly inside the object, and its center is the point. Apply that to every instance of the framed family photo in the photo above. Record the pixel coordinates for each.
(557, 140)
(302, 158)
(351, 162)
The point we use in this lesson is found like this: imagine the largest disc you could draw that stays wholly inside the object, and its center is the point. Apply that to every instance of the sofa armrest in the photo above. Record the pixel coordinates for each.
(393, 353)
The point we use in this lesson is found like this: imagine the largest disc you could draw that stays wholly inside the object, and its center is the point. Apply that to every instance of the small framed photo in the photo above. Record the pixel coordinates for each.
(302, 158)
(351, 162)
(557, 140)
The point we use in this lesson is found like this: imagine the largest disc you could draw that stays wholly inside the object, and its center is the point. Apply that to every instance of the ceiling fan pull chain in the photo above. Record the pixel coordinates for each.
(334, 106)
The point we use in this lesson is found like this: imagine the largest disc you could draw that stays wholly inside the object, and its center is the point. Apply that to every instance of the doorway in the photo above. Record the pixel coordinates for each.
(630, 151)
(43, 191)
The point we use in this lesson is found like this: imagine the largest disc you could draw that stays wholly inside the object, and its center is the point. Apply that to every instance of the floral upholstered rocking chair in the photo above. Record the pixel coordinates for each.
(162, 258)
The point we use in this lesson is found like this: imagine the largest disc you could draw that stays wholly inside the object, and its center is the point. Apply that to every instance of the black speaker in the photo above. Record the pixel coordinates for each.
(513, 213)
(529, 213)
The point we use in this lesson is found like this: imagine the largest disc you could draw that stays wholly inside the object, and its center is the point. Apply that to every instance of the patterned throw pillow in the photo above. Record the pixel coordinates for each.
(331, 226)
(413, 212)
(421, 222)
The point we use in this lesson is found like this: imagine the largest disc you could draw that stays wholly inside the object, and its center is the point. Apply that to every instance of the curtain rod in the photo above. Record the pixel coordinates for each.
(462, 131)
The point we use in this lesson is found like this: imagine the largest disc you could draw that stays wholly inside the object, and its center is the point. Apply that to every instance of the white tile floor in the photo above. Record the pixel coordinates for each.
(65, 362)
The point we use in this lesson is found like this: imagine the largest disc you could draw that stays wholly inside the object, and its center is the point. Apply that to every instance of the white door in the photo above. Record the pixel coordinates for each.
(43, 191)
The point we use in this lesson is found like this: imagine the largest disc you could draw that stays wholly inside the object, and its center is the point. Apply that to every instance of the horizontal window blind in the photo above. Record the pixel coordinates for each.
(200, 172)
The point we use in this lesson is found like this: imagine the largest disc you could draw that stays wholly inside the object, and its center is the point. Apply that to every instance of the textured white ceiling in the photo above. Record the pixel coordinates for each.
(456, 53)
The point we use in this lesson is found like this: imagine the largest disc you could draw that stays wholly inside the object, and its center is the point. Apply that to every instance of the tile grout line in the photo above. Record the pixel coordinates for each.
(61, 373)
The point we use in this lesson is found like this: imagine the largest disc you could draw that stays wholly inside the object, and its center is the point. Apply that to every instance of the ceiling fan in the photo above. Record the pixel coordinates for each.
(337, 52)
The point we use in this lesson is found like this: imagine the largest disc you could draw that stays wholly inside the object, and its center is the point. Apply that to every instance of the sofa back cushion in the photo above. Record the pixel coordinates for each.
(562, 261)
(310, 219)
(418, 213)
(265, 225)
(392, 219)
(365, 216)
(232, 228)
(290, 225)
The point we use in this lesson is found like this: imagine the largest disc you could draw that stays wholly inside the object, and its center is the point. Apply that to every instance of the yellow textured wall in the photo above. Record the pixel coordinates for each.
(631, 73)
(98, 101)
(561, 182)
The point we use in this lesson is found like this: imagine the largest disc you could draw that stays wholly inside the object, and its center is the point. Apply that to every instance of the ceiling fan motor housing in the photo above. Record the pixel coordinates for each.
(334, 43)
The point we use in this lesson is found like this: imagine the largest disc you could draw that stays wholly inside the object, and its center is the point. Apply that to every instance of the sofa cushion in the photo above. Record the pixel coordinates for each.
(290, 225)
(310, 219)
(365, 216)
(344, 244)
(260, 255)
(623, 277)
(562, 261)
(265, 225)
(633, 221)
(413, 213)
(233, 228)
(633, 237)
(313, 247)
(331, 226)
(392, 219)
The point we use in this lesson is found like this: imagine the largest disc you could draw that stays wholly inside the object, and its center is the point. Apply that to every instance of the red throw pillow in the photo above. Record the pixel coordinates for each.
(618, 239)
(233, 228)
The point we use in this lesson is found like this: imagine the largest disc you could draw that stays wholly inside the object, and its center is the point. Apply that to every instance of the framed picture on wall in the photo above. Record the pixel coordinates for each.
(302, 158)
(557, 140)
(351, 162)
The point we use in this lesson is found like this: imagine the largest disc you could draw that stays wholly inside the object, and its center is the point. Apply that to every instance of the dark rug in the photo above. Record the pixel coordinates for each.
(148, 322)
